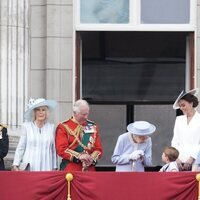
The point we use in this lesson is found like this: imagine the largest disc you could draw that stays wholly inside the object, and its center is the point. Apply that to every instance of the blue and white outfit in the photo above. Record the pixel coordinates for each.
(197, 161)
(196, 165)
(124, 147)
(37, 147)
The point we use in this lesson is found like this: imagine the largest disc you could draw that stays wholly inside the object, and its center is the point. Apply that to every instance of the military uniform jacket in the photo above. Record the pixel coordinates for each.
(73, 139)
(4, 145)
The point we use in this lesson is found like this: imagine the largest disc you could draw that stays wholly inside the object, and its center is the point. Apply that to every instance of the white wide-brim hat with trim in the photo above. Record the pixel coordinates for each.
(51, 104)
(141, 128)
(182, 94)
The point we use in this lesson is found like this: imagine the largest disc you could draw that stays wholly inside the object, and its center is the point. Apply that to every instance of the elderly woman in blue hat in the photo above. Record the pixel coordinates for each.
(186, 136)
(36, 148)
(133, 150)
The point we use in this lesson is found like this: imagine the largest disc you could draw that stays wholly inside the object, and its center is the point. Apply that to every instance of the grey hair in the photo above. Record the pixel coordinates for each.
(78, 104)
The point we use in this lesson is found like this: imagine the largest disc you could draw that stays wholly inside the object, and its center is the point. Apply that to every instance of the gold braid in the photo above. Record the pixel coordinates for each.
(76, 132)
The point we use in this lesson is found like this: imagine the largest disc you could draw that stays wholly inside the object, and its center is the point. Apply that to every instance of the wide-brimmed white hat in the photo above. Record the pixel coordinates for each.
(182, 94)
(51, 104)
(141, 128)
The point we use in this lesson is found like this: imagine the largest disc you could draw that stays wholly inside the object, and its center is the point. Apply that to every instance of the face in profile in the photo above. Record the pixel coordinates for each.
(185, 106)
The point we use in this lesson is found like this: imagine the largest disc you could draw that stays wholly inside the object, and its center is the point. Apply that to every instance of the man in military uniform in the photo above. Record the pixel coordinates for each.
(77, 140)
(4, 145)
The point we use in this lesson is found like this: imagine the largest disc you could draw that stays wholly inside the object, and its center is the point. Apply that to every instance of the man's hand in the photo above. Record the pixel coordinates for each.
(86, 158)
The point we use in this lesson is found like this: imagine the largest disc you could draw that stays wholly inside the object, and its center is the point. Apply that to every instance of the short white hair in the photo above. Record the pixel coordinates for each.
(78, 104)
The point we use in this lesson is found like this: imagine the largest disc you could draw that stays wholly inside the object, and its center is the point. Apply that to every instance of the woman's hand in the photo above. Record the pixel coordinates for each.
(188, 164)
(179, 163)
(15, 168)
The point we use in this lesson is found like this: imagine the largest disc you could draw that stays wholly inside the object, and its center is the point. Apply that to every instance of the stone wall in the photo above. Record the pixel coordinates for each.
(197, 47)
(51, 63)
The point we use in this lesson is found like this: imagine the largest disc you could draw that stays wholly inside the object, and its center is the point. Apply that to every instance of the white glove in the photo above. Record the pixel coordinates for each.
(136, 155)
(141, 152)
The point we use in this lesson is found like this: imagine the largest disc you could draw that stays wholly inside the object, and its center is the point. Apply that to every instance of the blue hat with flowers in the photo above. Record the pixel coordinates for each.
(51, 104)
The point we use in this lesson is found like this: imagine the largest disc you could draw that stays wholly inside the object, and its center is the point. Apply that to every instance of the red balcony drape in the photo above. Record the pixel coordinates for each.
(99, 186)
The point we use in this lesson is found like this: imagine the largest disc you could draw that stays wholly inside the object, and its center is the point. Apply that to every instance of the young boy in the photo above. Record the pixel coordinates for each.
(169, 156)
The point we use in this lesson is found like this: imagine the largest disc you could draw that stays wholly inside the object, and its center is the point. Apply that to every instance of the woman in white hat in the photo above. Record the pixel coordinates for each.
(133, 150)
(36, 147)
(186, 136)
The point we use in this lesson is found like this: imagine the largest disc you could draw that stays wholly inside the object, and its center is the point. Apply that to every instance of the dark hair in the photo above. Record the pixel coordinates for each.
(172, 153)
(191, 99)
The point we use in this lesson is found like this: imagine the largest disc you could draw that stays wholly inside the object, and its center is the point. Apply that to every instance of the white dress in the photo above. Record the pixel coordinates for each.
(124, 147)
(37, 147)
(187, 136)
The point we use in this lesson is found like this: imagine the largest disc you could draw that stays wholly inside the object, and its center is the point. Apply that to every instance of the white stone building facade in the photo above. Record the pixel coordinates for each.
(39, 56)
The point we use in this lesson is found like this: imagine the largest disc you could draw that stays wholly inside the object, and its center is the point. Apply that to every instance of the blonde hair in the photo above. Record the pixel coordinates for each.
(47, 113)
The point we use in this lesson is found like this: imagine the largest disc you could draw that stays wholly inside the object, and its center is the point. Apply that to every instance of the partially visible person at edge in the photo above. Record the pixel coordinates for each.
(196, 165)
(186, 138)
(4, 145)
(169, 157)
(37, 141)
(77, 140)
(133, 150)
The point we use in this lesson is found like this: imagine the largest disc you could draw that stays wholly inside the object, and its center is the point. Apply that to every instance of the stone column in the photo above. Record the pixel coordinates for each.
(51, 66)
(14, 64)
(14, 48)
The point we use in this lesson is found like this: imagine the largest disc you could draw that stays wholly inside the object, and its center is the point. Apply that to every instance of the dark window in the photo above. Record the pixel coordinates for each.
(133, 67)
(128, 76)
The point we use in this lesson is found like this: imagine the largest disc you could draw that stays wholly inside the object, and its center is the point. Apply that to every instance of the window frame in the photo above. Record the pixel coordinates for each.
(134, 21)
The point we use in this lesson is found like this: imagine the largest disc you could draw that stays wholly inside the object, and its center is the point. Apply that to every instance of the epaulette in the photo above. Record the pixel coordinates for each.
(91, 121)
(64, 121)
